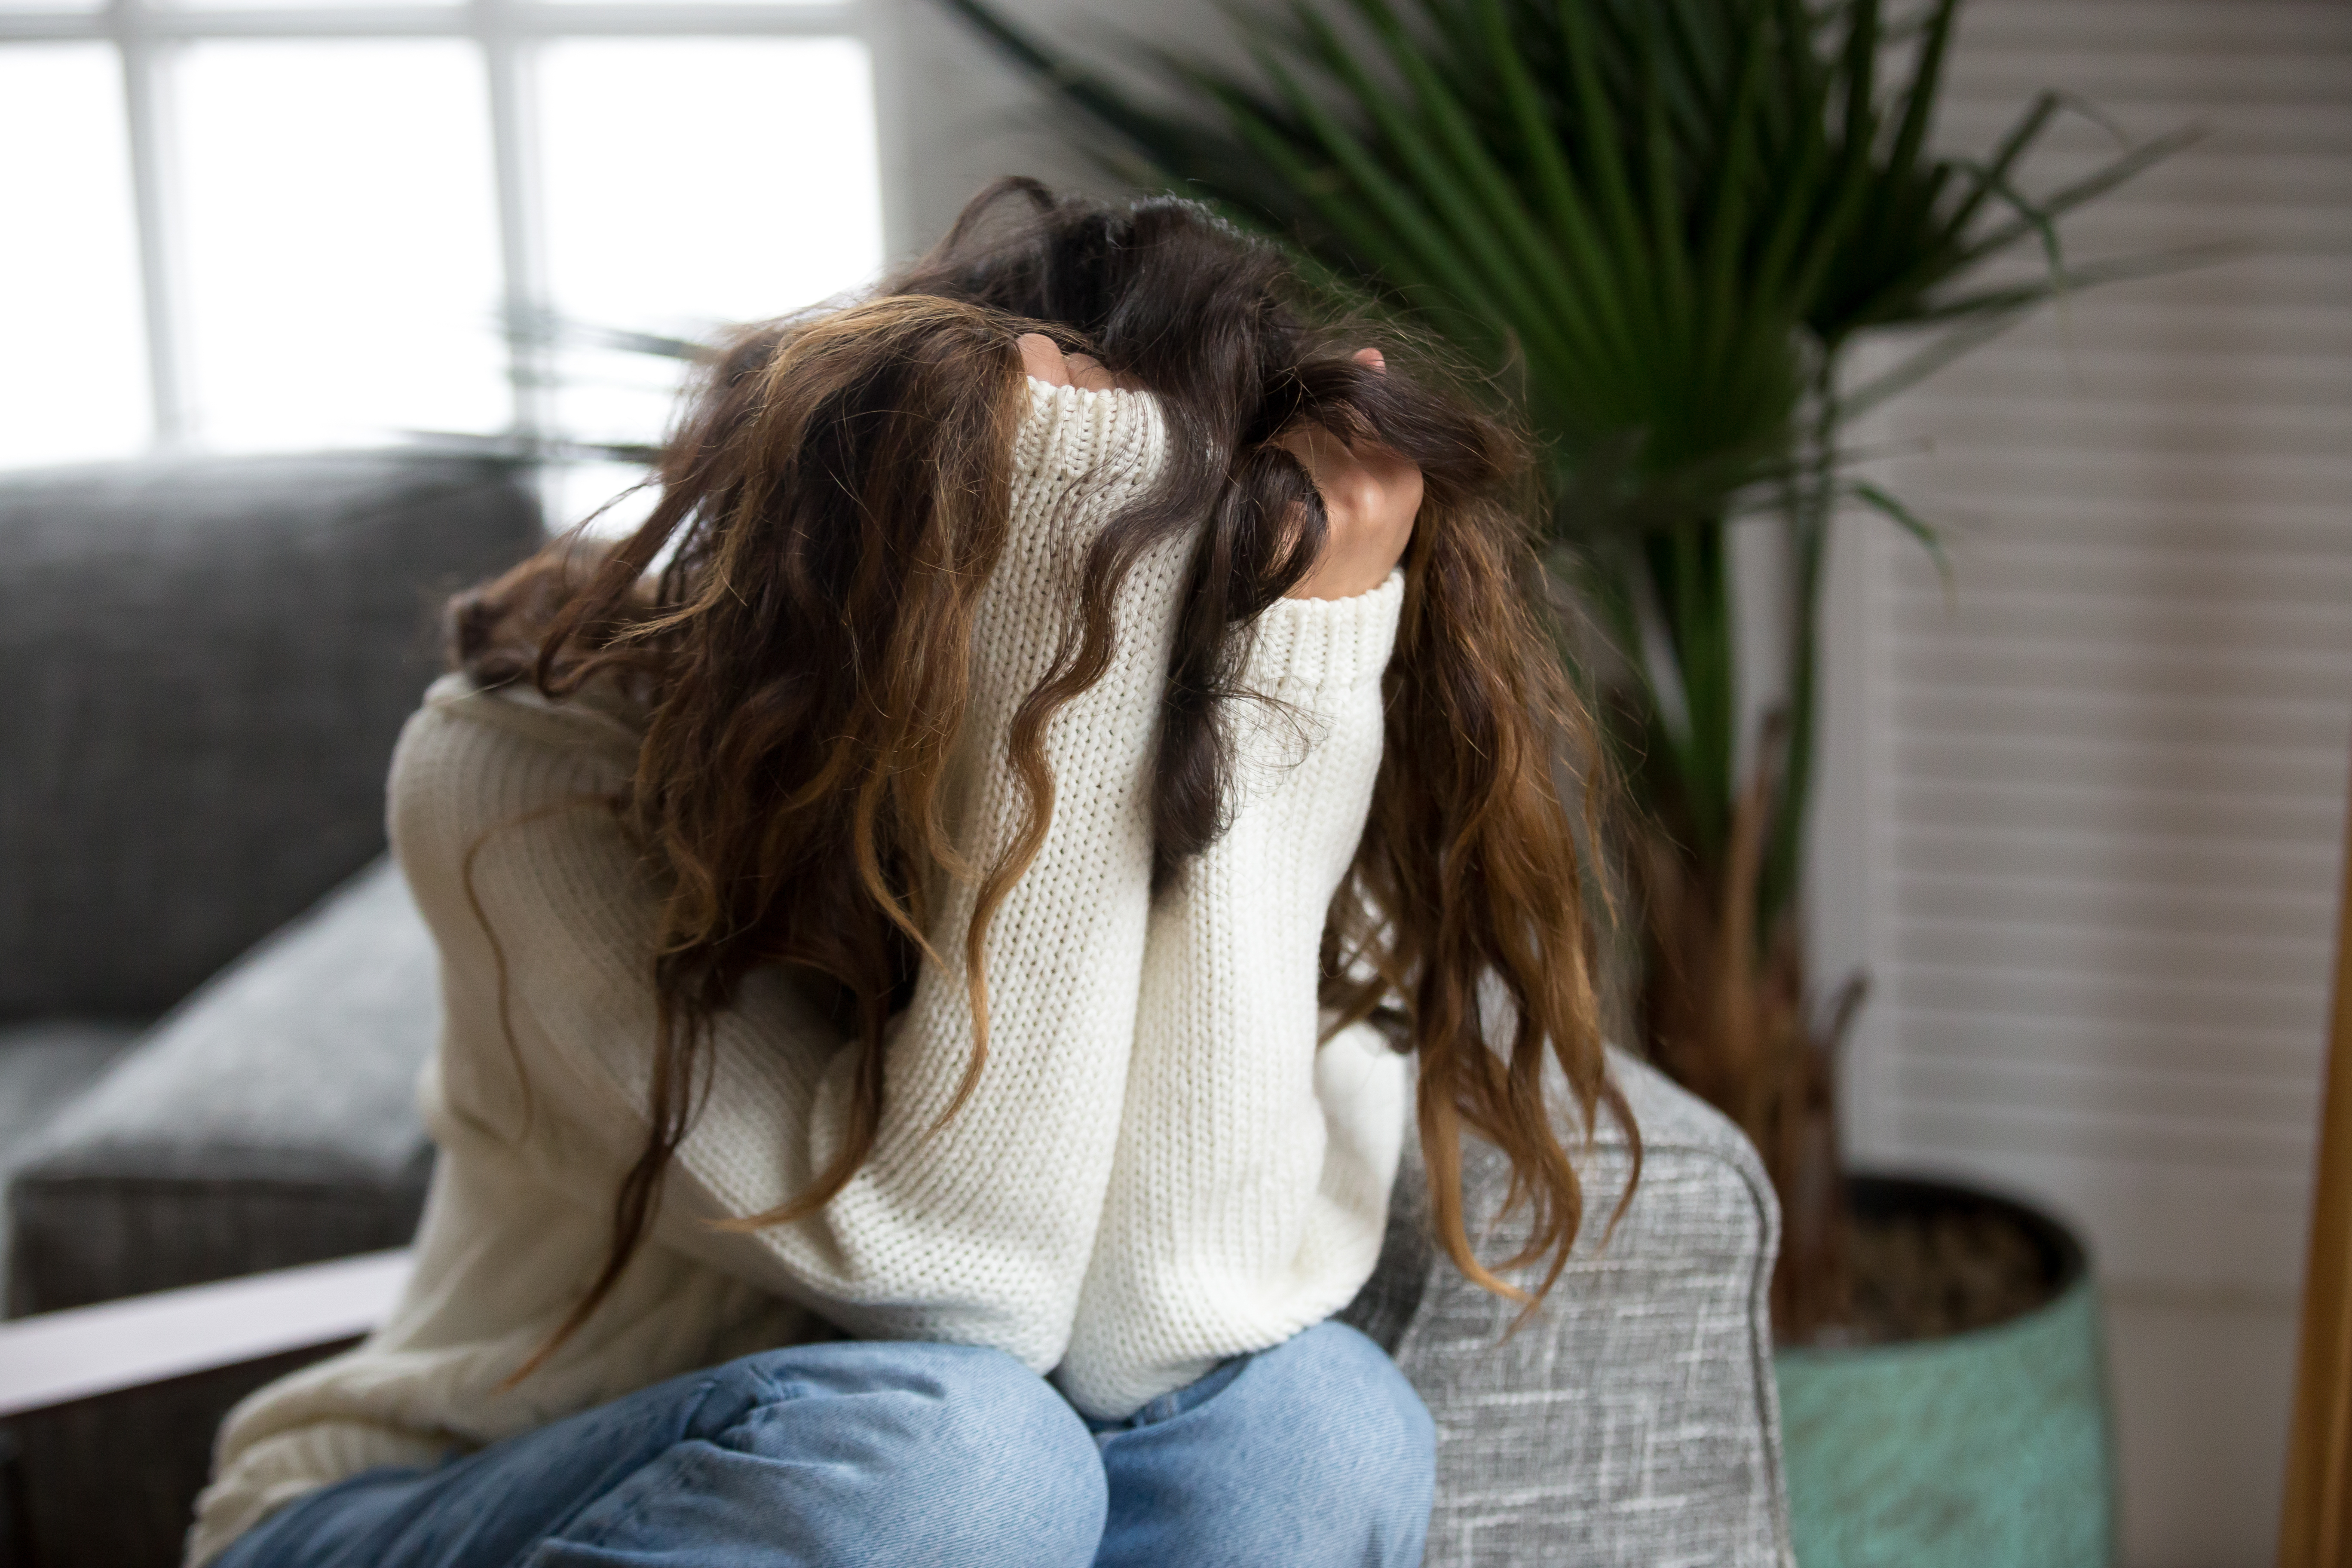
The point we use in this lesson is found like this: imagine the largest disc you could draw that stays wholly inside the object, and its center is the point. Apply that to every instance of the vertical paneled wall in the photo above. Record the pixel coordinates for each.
(2089, 796)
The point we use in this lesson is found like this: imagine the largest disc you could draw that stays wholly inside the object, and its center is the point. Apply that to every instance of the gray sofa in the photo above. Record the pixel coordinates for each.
(207, 662)
(210, 662)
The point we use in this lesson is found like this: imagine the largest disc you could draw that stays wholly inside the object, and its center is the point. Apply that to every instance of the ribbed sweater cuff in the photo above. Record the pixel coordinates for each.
(1326, 643)
(1076, 433)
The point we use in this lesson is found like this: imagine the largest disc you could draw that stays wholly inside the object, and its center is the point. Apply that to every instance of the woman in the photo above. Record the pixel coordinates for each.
(922, 923)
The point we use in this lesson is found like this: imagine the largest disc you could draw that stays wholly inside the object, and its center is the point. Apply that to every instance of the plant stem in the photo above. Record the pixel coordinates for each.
(1810, 516)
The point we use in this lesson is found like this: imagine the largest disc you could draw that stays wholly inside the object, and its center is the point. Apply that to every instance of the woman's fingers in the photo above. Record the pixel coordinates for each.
(1042, 358)
(1370, 494)
(1087, 374)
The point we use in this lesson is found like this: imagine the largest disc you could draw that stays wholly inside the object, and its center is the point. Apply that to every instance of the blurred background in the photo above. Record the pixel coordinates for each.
(2081, 804)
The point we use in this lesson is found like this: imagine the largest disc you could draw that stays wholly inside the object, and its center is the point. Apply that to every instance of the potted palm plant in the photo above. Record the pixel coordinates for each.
(1667, 226)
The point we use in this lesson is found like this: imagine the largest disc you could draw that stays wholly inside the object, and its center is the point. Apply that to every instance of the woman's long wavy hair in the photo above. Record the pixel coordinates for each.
(795, 616)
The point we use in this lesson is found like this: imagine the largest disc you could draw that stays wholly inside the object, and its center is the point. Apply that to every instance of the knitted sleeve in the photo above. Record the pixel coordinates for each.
(974, 1230)
(1250, 1184)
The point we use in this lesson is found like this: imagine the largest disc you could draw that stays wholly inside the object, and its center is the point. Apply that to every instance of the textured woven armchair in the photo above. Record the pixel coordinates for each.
(210, 663)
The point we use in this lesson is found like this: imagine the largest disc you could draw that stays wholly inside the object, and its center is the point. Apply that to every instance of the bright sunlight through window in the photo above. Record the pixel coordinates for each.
(286, 224)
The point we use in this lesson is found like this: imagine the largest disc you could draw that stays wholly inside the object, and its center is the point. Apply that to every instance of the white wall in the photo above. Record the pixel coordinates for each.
(967, 119)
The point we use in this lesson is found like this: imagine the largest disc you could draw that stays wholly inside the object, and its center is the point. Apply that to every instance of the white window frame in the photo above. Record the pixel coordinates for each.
(146, 33)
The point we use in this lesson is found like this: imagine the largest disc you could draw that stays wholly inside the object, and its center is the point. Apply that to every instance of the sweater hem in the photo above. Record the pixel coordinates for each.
(1338, 643)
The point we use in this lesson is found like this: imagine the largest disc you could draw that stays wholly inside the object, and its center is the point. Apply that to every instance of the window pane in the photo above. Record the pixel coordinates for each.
(691, 182)
(428, 5)
(342, 240)
(796, 5)
(72, 332)
(612, 498)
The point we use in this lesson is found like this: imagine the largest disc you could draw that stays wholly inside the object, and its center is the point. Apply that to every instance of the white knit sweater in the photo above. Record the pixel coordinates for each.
(1158, 1169)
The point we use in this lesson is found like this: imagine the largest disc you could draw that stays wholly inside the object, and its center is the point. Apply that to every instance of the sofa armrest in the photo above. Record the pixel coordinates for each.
(1633, 1421)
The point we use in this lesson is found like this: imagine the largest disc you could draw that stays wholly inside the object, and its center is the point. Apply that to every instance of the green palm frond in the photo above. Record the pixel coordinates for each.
(1670, 218)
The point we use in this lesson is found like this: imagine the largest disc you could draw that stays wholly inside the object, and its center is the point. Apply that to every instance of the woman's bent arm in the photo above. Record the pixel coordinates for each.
(974, 1227)
(1253, 1169)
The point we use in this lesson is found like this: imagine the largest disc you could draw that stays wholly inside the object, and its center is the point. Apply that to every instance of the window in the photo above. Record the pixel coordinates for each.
(249, 224)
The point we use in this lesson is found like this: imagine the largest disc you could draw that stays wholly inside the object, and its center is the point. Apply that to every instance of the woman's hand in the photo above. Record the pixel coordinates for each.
(1370, 493)
(1042, 358)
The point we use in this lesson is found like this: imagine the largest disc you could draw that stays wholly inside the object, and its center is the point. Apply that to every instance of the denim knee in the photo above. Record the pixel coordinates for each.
(1316, 1454)
(1374, 1437)
(958, 1441)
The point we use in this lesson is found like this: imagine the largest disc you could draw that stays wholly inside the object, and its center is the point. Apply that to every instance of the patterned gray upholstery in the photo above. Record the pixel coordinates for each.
(1634, 1422)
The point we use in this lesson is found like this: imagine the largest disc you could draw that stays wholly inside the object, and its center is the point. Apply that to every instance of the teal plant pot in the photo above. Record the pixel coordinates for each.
(1986, 1450)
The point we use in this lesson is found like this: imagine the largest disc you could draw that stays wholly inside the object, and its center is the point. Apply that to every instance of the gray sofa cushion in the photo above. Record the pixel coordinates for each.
(1632, 1423)
(208, 661)
(269, 1121)
(45, 1064)
(42, 1067)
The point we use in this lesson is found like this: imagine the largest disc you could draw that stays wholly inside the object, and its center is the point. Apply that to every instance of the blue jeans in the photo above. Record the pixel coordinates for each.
(900, 1454)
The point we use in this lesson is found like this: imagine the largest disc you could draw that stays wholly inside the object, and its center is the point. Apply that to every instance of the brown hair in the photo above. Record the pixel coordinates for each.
(796, 615)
